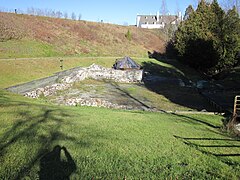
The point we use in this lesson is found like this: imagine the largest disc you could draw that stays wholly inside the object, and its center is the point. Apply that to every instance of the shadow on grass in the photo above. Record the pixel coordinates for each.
(53, 167)
(207, 139)
(191, 119)
(187, 70)
(173, 85)
(203, 148)
(126, 94)
(39, 130)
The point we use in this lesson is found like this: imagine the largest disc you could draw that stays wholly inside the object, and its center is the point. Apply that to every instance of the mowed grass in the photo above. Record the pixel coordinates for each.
(111, 144)
(17, 71)
(103, 143)
(165, 96)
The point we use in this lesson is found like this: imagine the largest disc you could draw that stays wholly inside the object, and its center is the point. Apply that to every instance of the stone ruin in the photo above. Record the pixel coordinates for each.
(92, 72)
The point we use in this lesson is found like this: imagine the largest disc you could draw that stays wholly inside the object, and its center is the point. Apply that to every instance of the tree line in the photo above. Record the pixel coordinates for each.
(209, 38)
(45, 12)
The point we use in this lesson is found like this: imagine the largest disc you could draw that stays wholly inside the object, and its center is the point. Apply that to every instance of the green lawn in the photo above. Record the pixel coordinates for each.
(16, 71)
(167, 96)
(102, 143)
(111, 144)
(23, 70)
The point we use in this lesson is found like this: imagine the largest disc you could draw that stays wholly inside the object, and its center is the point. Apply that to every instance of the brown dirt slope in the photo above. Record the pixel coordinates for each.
(69, 37)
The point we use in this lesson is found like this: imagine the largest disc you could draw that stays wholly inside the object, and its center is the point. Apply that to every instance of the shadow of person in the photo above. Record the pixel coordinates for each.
(54, 166)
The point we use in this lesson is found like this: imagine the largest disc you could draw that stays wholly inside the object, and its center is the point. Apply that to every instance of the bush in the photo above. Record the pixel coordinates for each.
(128, 35)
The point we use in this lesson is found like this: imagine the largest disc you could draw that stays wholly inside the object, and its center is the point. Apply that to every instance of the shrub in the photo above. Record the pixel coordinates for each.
(128, 35)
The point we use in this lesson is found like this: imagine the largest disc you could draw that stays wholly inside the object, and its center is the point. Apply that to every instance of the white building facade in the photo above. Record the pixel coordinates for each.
(157, 21)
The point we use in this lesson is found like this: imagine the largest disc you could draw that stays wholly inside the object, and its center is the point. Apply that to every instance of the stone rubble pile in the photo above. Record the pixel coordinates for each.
(94, 102)
(80, 75)
(48, 90)
(94, 72)
(98, 72)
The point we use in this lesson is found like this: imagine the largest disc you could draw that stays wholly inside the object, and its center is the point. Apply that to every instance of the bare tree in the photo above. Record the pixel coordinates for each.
(79, 16)
(65, 15)
(2, 9)
(39, 12)
(31, 11)
(228, 4)
(164, 7)
(177, 7)
(19, 11)
(53, 13)
(47, 12)
(59, 14)
(73, 16)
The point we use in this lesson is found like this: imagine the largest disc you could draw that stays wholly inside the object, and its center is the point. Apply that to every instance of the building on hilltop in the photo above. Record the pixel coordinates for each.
(158, 21)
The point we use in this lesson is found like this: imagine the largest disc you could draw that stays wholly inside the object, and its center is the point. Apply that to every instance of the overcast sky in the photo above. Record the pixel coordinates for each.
(118, 12)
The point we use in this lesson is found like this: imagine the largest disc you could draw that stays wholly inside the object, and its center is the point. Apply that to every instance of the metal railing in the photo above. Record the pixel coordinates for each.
(236, 108)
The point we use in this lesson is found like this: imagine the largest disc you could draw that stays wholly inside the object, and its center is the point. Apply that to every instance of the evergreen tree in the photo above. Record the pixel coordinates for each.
(209, 39)
(188, 12)
(216, 28)
(231, 39)
(194, 40)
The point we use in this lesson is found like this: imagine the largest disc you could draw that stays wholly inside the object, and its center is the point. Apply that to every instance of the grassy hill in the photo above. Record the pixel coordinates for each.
(105, 143)
(99, 143)
(111, 144)
(34, 36)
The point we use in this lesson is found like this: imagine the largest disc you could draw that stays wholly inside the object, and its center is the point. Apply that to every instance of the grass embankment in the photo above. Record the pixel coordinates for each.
(104, 143)
(23, 70)
(111, 144)
(166, 96)
(35, 36)
(16, 71)
(27, 48)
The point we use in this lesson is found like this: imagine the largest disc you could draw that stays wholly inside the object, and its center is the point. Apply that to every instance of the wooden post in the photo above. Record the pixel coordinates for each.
(61, 64)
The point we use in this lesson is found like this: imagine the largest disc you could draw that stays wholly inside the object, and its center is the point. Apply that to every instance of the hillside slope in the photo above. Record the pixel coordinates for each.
(32, 36)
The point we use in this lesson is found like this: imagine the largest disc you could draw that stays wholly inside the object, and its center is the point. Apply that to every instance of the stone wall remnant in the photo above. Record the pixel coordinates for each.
(92, 72)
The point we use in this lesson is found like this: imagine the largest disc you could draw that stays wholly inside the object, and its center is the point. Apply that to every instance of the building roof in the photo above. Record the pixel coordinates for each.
(126, 63)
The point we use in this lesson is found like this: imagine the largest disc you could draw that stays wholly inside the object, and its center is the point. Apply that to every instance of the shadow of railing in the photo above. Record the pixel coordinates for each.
(221, 156)
(190, 119)
(128, 95)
